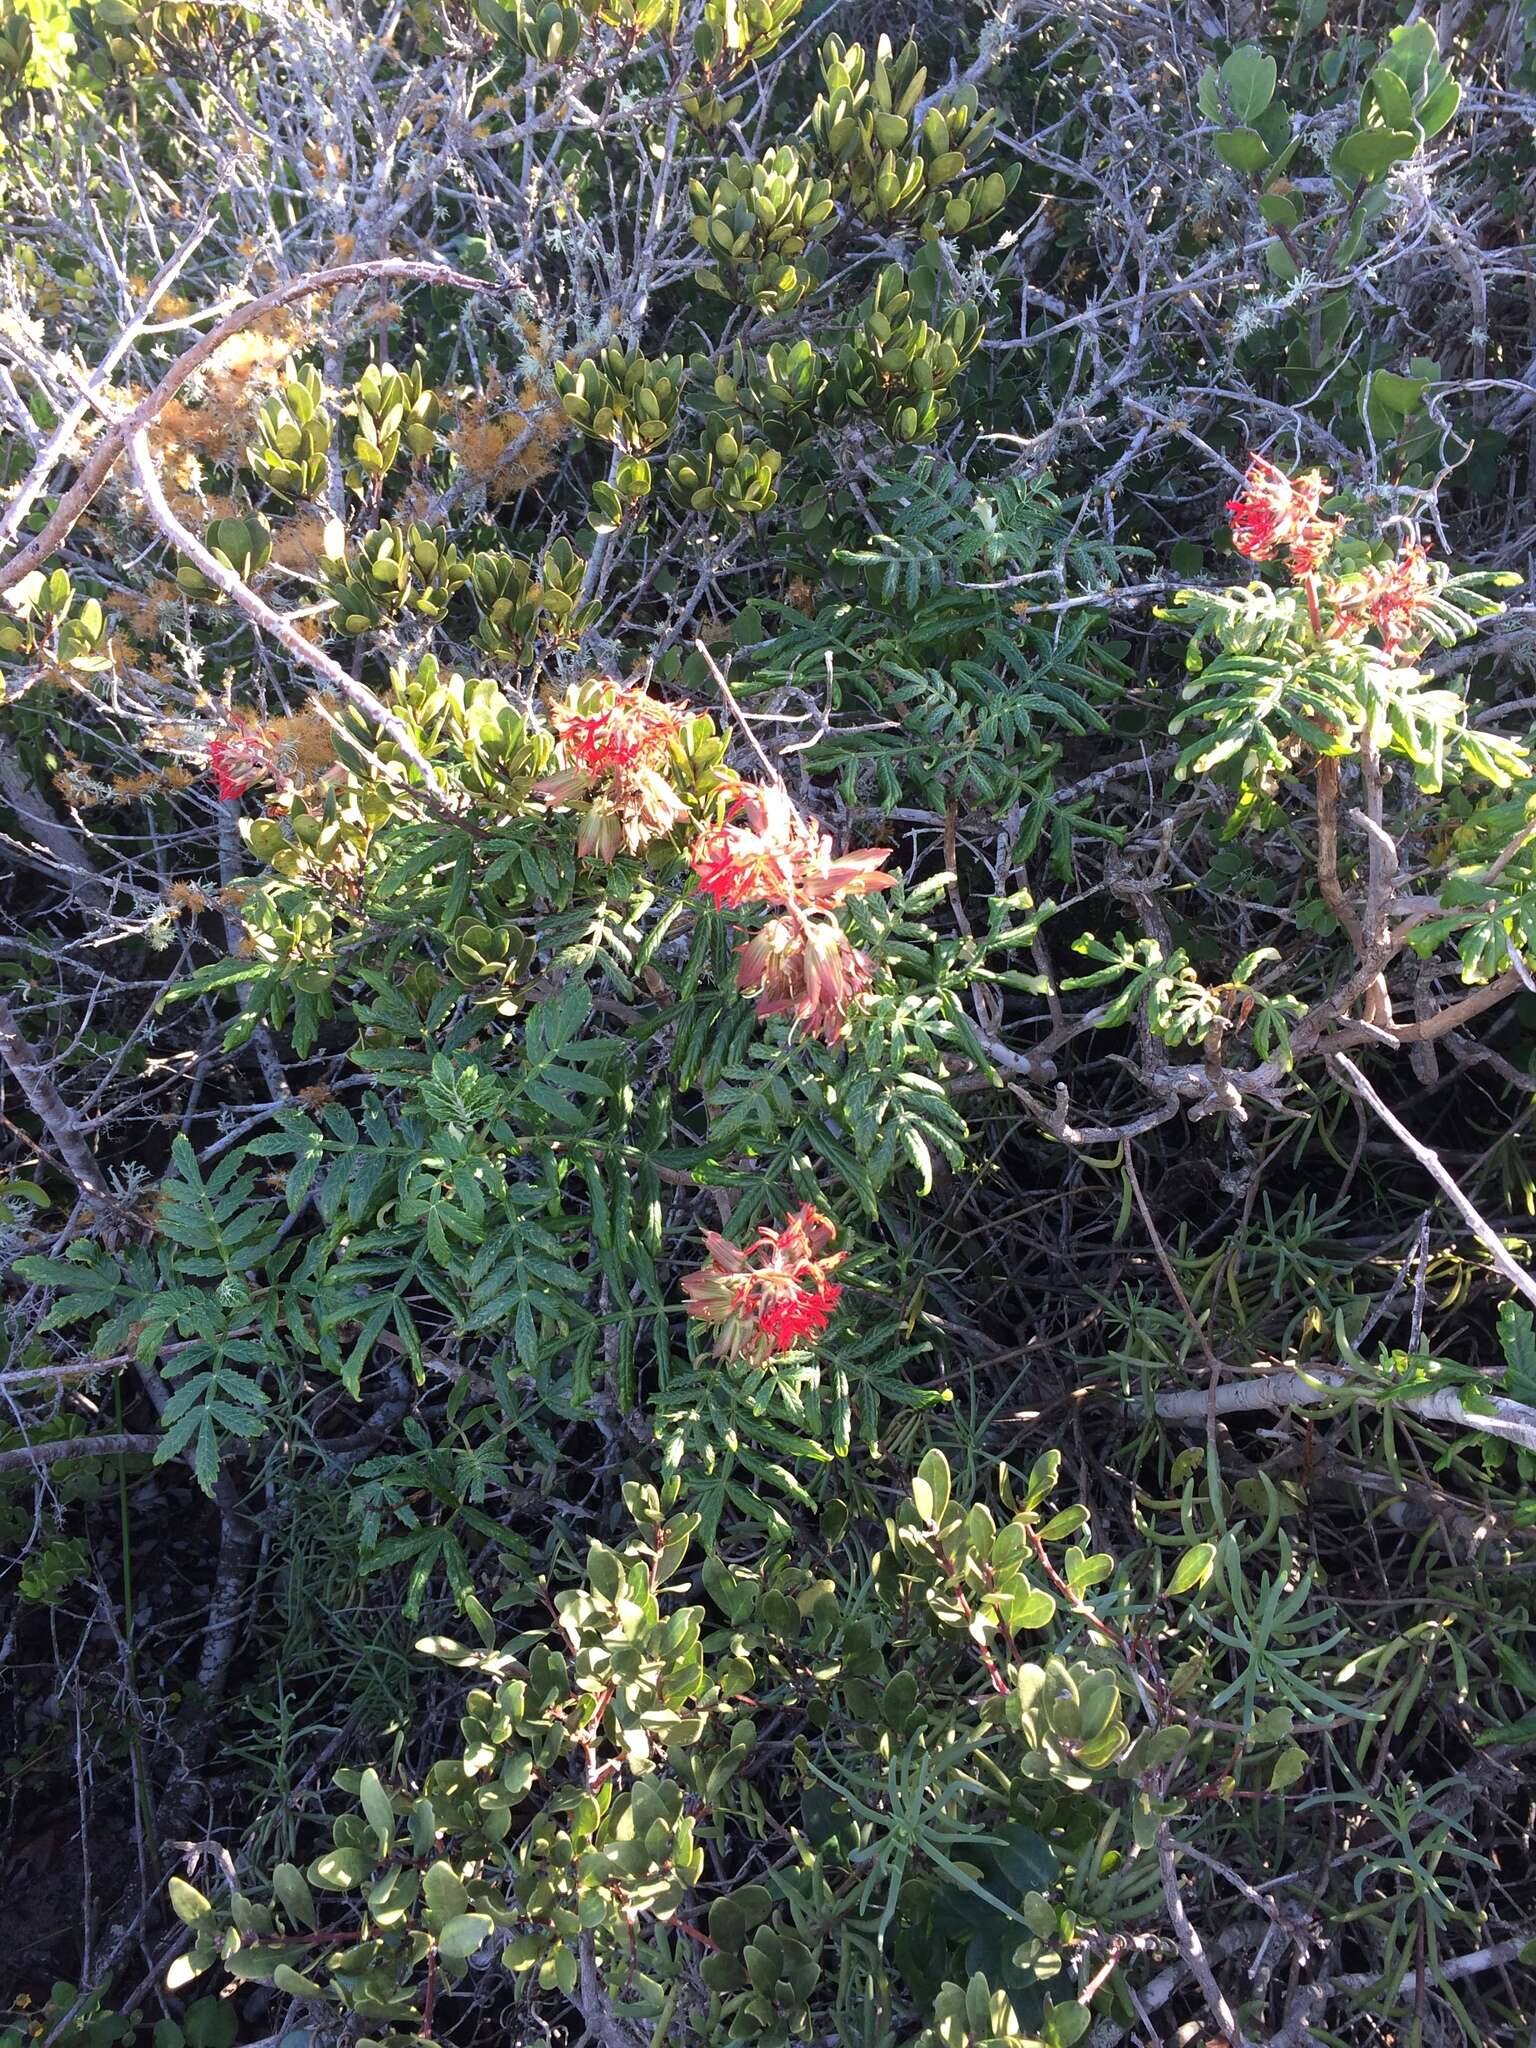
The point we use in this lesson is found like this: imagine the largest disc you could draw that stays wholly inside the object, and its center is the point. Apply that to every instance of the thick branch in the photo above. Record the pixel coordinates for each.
(1276, 1391)
(61, 1449)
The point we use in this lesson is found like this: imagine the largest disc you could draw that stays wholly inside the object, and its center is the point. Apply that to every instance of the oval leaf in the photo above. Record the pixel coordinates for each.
(1193, 1568)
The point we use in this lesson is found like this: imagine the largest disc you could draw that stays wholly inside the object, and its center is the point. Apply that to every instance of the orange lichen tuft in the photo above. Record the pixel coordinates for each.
(507, 442)
(299, 542)
(308, 744)
(241, 372)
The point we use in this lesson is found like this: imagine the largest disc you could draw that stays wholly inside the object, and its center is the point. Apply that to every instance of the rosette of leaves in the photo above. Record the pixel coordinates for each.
(896, 365)
(481, 955)
(731, 35)
(550, 33)
(898, 166)
(622, 398)
(761, 223)
(519, 605)
(293, 432)
(36, 603)
(782, 390)
(622, 492)
(973, 2015)
(728, 471)
(392, 408)
(243, 544)
(394, 569)
(493, 748)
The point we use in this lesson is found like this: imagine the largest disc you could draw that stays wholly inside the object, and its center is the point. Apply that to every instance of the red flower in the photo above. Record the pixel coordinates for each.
(734, 866)
(805, 967)
(1276, 514)
(767, 1297)
(615, 746)
(1390, 599)
(241, 756)
(780, 856)
(615, 728)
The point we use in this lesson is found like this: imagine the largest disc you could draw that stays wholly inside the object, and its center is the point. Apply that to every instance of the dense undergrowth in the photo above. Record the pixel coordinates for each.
(768, 1014)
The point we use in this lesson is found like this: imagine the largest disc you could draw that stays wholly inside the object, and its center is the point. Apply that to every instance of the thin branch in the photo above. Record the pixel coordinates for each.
(1484, 1232)
(35, 1080)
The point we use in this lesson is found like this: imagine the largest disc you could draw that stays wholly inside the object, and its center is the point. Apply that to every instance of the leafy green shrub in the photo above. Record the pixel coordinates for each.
(679, 1036)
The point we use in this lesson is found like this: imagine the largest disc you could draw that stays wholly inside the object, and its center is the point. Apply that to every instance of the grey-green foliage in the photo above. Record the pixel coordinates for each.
(607, 1741)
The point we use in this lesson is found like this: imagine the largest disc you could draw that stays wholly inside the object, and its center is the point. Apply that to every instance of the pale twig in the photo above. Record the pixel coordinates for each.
(1482, 1230)
(1190, 1946)
(268, 621)
(118, 436)
(35, 1080)
(1495, 1416)
(52, 453)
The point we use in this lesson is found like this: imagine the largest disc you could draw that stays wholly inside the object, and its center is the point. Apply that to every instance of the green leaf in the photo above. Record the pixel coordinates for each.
(1033, 1609)
(1065, 2025)
(1401, 394)
(459, 1937)
(1368, 152)
(188, 1903)
(1248, 79)
(294, 1894)
(1392, 97)
(1290, 1765)
(1280, 262)
(1193, 1569)
(1517, 1341)
(1438, 108)
(341, 1870)
(375, 1804)
(445, 1896)
(1242, 149)
(930, 1488)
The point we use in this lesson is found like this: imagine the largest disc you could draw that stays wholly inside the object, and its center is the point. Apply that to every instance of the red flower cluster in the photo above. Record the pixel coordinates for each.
(243, 755)
(1276, 514)
(780, 856)
(805, 967)
(772, 1295)
(616, 743)
(801, 964)
(617, 747)
(1391, 599)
